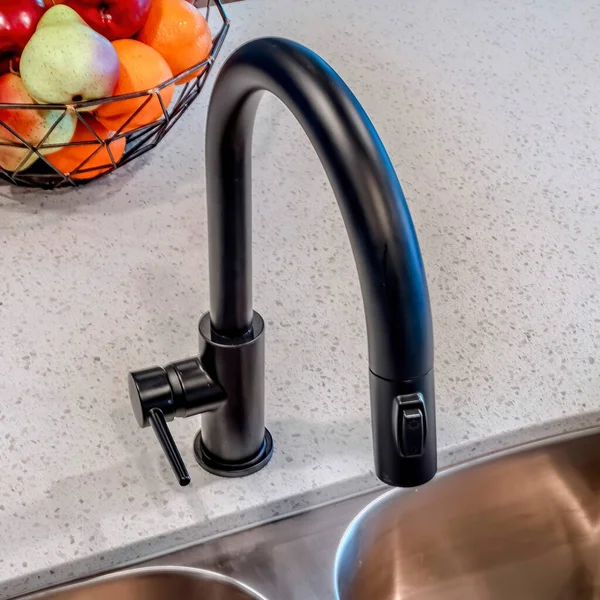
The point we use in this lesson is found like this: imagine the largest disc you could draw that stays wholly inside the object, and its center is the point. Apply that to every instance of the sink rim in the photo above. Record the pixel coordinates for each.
(126, 573)
(443, 473)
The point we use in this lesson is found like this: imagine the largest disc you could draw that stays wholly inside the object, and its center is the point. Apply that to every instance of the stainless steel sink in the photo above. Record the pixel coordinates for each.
(521, 526)
(158, 583)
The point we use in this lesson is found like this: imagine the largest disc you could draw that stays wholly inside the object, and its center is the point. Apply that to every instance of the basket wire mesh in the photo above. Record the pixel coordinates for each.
(43, 174)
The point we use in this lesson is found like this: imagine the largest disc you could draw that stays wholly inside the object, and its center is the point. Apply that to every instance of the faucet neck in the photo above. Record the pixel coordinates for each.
(370, 198)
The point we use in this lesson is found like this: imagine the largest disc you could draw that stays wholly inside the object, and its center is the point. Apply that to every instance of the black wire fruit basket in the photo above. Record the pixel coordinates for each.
(35, 166)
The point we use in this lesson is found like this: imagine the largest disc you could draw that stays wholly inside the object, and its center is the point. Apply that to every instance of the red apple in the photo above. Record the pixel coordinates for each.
(18, 20)
(114, 19)
(5, 65)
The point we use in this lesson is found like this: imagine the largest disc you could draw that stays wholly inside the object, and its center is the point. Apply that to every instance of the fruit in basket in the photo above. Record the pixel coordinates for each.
(91, 159)
(142, 68)
(5, 65)
(18, 20)
(179, 32)
(114, 19)
(32, 124)
(67, 61)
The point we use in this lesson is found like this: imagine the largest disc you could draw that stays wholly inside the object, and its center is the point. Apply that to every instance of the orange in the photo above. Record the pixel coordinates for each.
(71, 158)
(142, 68)
(179, 32)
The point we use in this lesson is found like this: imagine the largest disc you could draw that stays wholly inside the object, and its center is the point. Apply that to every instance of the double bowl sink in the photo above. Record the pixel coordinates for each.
(521, 525)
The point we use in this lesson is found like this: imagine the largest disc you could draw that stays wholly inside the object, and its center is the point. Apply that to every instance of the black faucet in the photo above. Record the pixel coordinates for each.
(226, 381)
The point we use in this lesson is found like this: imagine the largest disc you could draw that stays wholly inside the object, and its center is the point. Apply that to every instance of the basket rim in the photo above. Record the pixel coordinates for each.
(87, 105)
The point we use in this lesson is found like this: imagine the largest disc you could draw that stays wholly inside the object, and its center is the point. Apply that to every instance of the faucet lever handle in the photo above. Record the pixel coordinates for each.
(165, 439)
(181, 389)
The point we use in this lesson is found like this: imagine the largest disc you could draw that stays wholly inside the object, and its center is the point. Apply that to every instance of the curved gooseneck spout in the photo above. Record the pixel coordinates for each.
(383, 240)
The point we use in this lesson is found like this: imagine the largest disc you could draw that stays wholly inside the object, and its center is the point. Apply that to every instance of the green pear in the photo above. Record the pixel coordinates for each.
(65, 61)
(60, 15)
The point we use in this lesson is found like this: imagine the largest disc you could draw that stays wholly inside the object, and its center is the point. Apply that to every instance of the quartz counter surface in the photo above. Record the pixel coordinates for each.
(489, 111)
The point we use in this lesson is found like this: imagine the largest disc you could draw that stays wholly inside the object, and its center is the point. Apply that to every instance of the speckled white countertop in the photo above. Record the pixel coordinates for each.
(489, 110)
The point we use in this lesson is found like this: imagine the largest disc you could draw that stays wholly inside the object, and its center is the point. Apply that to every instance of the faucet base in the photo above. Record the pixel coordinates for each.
(233, 469)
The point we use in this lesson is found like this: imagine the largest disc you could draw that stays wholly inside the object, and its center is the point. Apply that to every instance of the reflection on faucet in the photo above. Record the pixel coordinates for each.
(226, 382)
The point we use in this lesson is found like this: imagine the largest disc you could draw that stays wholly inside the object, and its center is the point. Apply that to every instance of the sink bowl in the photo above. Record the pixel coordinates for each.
(164, 583)
(518, 526)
